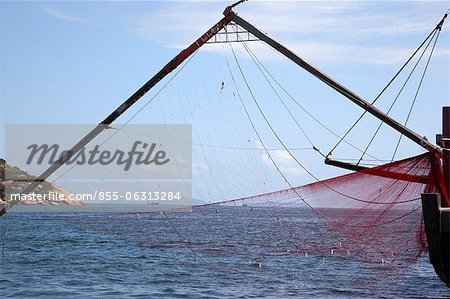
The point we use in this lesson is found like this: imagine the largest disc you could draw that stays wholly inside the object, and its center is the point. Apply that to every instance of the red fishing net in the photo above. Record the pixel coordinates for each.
(372, 215)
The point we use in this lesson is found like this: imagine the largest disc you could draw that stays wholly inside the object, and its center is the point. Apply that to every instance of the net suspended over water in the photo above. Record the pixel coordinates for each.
(251, 136)
(374, 214)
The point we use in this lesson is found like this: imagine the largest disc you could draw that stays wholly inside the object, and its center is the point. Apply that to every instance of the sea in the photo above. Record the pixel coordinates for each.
(207, 253)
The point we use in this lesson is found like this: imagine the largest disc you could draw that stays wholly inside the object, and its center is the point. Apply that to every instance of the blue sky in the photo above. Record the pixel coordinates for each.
(74, 62)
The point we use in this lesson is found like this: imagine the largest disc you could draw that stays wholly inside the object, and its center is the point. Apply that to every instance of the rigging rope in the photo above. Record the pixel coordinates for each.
(278, 95)
(397, 97)
(135, 114)
(291, 155)
(389, 83)
(296, 102)
(258, 134)
(295, 159)
(215, 145)
(417, 92)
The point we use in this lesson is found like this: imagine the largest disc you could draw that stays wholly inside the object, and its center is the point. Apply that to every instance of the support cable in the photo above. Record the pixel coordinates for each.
(297, 103)
(417, 93)
(389, 83)
(280, 99)
(295, 159)
(397, 97)
(117, 130)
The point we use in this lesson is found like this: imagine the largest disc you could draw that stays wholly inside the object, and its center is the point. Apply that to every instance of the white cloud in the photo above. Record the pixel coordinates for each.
(338, 19)
(283, 160)
(62, 16)
(343, 31)
(375, 55)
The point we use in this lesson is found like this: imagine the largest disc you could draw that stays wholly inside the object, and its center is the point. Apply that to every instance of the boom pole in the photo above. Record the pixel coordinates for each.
(167, 69)
(229, 16)
(420, 140)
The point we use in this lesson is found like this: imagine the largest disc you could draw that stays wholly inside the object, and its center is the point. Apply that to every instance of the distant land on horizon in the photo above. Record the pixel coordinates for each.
(25, 177)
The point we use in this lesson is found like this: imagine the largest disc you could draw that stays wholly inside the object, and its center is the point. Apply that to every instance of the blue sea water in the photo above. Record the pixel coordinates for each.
(203, 254)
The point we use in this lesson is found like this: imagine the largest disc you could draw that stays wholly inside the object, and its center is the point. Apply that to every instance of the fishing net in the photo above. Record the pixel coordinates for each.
(371, 216)
(375, 217)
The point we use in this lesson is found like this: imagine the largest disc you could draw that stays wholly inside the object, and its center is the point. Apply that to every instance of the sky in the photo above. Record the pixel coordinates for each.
(74, 62)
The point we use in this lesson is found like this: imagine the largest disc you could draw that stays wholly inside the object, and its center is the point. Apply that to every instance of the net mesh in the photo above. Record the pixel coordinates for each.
(372, 215)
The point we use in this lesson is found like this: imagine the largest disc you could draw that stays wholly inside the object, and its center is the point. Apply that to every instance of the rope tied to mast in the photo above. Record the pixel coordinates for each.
(430, 36)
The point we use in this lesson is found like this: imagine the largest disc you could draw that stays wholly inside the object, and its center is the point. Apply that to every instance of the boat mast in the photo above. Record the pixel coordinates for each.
(420, 140)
